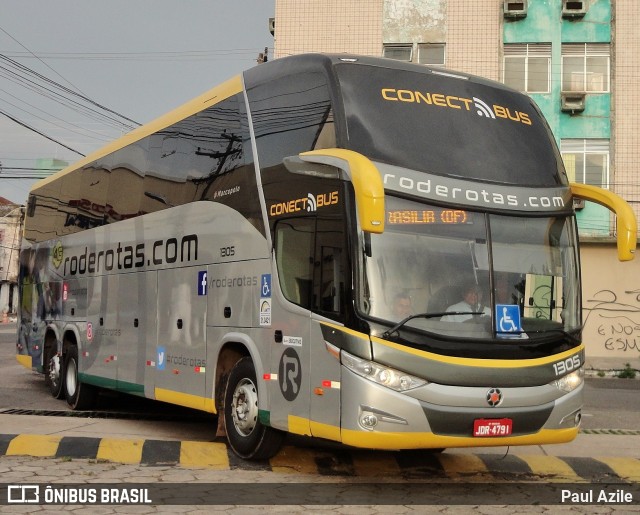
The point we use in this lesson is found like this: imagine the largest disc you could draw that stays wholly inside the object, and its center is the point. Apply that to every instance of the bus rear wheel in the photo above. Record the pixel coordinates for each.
(80, 396)
(248, 437)
(53, 372)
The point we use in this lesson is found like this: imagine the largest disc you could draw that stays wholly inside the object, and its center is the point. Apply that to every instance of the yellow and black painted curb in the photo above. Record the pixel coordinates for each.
(330, 462)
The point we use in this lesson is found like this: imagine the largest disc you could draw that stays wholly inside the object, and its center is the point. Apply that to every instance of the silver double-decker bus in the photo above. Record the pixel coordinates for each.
(351, 248)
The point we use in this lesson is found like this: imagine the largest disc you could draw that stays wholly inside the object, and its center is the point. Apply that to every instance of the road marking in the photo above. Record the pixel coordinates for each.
(295, 460)
(122, 451)
(204, 454)
(467, 466)
(368, 464)
(546, 466)
(626, 468)
(34, 445)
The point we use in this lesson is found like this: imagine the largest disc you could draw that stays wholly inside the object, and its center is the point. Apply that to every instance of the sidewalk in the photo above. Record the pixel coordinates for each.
(588, 444)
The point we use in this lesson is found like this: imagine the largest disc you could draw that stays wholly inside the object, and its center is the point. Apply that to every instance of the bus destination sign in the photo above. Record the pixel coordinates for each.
(427, 217)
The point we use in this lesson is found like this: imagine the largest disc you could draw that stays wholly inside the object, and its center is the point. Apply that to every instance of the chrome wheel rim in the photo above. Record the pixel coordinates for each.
(244, 407)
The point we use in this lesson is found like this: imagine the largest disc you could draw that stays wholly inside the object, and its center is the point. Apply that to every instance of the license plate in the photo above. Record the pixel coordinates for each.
(492, 427)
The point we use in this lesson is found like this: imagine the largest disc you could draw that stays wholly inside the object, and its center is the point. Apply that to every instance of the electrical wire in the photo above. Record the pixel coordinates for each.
(38, 58)
(40, 133)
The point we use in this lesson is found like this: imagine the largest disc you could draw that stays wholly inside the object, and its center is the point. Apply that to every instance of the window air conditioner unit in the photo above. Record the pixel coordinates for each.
(515, 10)
(272, 26)
(572, 102)
(578, 204)
(574, 8)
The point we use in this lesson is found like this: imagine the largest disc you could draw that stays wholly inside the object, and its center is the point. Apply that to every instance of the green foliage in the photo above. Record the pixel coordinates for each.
(627, 372)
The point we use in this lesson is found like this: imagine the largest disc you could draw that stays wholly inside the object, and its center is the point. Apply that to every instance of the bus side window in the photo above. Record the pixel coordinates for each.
(329, 279)
(294, 244)
(310, 259)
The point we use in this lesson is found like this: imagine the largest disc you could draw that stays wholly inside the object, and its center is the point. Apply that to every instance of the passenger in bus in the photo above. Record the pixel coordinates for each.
(504, 291)
(469, 307)
(401, 307)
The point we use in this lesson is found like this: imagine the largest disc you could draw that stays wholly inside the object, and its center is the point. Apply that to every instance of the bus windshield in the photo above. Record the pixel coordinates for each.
(448, 126)
(466, 274)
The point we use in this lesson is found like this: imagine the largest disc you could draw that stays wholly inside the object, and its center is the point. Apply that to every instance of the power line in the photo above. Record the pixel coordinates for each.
(34, 55)
(24, 69)
(191, 55)
(40, 133)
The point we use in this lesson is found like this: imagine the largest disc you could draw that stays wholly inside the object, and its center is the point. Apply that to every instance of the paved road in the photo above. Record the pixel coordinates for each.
(174, 447)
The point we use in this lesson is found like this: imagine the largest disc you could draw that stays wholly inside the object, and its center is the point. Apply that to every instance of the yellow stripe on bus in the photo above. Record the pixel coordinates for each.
(185, 399)
(327, 431)
(25, 360)
(425, 440)
(482, 363)
(207, 99)
(468, 362)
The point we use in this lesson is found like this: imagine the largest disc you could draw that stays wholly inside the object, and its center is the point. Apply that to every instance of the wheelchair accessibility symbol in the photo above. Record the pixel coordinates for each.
(265, 286)
(508, 318)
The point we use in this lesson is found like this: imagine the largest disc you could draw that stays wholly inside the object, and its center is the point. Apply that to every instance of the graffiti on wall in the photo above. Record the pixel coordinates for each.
(612, 322)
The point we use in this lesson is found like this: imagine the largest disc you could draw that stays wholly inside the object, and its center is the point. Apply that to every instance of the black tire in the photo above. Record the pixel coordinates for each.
(53, 371)
(247, 436)
(80, 396)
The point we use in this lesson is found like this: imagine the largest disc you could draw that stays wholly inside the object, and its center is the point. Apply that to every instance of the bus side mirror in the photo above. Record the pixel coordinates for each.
(366, 180)
(626, 224)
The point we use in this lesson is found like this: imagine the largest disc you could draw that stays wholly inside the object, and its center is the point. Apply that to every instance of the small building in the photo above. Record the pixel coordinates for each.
(11, 223)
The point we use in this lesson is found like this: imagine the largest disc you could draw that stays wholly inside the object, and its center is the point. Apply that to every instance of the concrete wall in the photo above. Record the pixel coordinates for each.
(626, 102)
(414, 21)
(611, 307)
(353, 26)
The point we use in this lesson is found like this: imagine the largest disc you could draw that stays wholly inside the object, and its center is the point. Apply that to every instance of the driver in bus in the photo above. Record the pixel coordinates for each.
(469, 307)
(401, 307)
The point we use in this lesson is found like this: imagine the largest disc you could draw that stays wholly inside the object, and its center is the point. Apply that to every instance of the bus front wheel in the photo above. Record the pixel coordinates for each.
(247, 436)
(80, 396)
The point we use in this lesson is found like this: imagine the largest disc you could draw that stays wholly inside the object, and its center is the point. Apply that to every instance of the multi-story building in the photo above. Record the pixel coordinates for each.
(11, 217)
(578, 59)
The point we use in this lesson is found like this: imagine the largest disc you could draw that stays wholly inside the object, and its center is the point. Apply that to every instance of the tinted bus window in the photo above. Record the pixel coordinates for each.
(447, 126)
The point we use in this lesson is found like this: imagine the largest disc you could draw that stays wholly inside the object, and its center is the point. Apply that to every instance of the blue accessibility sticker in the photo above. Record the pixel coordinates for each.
(265, 285)
(508, 318)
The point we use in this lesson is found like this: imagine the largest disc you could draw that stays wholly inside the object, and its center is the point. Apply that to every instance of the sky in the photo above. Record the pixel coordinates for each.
(138, 58)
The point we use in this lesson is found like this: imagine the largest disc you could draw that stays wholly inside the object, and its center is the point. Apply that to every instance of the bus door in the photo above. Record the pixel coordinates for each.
(180, 354)
(329, 296)
(306, 257)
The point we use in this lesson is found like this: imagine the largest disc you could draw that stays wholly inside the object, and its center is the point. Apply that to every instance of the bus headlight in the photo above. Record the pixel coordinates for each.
(380, 374)
(571, 381)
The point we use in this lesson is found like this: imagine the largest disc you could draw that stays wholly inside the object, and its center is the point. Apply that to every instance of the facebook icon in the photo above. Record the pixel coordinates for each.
(202, 282)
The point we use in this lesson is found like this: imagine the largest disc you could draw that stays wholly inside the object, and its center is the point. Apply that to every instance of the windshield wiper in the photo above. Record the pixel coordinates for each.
(542, 333)
(388, 333)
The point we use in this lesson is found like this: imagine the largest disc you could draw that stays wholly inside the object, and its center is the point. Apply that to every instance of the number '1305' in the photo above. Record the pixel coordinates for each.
(569, 364)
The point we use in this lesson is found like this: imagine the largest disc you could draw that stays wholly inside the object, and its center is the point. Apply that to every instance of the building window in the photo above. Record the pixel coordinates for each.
(431, 54)
(527, 67)
(586, 161)
(398, 52)
(585, 67)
